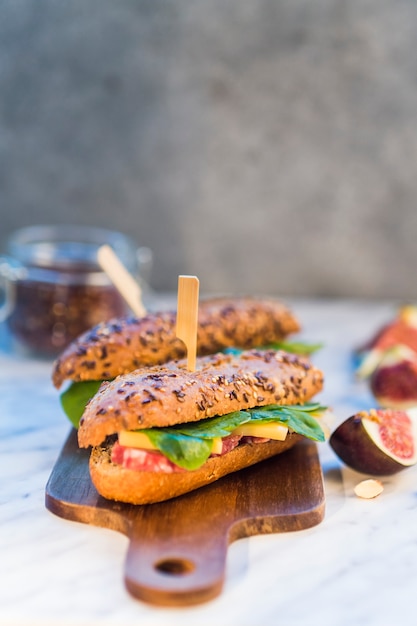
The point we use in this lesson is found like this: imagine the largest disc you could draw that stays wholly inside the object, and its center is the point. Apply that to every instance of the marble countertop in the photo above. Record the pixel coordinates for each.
(359, 566)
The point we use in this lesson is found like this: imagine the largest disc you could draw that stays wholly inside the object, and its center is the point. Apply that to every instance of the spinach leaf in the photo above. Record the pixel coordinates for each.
(74, 399)
(184, 450)
(212, 427)
(299, 418)
(296, 347)
(189, 445)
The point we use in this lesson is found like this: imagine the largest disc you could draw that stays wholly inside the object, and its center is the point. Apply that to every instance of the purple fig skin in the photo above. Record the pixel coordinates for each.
(352, 444)
(395, 385)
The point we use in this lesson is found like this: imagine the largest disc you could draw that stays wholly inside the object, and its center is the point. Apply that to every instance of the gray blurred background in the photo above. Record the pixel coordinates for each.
(267, 146)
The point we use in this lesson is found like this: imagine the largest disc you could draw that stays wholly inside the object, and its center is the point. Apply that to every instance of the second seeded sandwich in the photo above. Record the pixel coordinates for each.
(123, 345)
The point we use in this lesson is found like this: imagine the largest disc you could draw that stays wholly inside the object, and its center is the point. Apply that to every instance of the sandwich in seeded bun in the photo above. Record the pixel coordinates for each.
(161, 431)
(123, 345)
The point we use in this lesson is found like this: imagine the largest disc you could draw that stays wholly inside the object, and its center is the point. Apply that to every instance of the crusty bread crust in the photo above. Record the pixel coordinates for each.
(117, 483)
(169, 394)
(120, 346)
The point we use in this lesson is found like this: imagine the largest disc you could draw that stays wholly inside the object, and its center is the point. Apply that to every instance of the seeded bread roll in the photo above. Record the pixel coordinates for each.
(117, 483)
(166, 395)
(121, 346)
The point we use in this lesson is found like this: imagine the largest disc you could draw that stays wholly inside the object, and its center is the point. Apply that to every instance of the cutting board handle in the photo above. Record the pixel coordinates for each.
(189, 570)
(177, 549)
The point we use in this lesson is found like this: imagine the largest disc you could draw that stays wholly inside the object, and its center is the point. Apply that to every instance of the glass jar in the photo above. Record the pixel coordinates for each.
(54, 289)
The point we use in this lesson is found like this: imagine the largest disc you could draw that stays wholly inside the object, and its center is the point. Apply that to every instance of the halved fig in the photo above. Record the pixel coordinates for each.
(380, 442)
(394, 380)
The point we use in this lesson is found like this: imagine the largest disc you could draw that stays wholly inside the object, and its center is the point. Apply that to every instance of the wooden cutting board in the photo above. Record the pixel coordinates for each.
(178, 549)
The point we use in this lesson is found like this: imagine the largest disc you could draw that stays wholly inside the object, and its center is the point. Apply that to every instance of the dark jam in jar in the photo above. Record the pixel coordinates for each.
(53, 287)
(53, 306)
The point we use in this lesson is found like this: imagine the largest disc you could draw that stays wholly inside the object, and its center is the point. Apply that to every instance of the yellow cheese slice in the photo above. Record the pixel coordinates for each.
(135, 439)
(271, 430)
(217, 446)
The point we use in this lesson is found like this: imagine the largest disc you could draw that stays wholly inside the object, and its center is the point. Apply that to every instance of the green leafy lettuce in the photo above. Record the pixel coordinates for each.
(189, 445)
(74, 399)
(295, 347)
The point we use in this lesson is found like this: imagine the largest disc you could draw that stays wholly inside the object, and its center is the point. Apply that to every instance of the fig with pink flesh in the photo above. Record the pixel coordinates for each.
(394, 380)
(380, 442)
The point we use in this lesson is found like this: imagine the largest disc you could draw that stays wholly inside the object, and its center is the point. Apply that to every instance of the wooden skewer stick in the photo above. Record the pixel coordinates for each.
(187, 315)
(128, 287)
